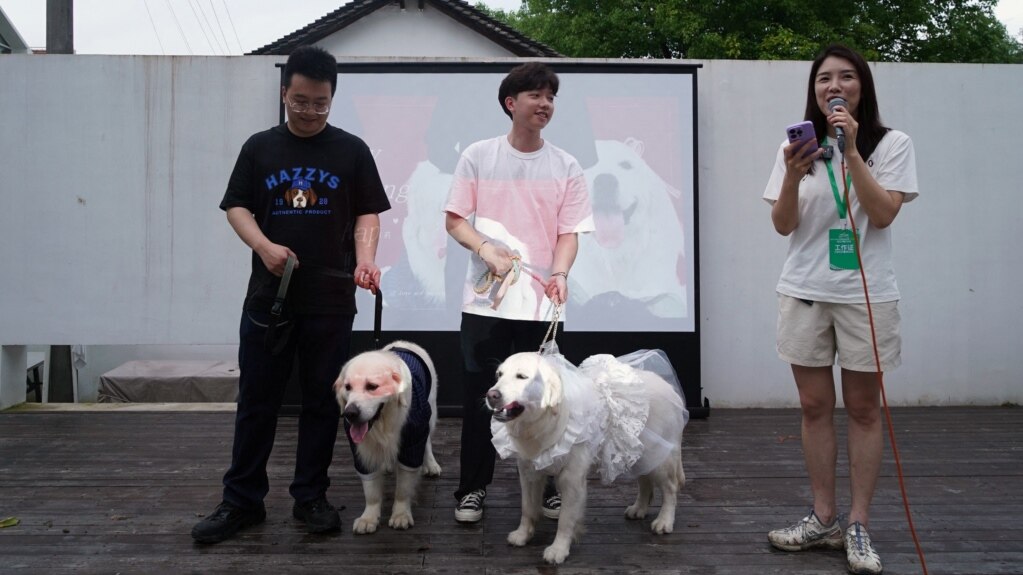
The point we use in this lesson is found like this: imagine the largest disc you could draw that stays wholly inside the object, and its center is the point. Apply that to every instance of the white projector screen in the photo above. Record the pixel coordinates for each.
(632, 128)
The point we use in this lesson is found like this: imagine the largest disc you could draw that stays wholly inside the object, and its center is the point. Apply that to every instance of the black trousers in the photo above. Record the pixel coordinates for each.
(486, 342)
(321, 344)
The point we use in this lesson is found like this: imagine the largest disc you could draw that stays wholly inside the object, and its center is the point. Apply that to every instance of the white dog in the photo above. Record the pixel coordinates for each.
(423, 233)
(655, 457)
(389, 402)
(559, 421)
(638, 235)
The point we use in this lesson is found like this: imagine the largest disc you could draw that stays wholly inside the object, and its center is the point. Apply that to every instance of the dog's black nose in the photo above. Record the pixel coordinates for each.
(351, 413)
(493, 397)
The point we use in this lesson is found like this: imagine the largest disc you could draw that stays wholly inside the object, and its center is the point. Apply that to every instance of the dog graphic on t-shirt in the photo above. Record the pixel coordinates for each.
(300, 194)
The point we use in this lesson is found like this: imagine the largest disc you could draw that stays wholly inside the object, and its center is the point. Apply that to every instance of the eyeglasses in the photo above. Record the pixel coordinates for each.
(303, 107)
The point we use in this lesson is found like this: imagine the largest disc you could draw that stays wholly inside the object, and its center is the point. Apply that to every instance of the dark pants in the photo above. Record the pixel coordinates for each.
(486, 342)
(320, 344)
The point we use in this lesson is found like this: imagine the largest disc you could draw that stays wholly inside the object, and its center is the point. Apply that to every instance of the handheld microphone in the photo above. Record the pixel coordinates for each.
(839, 132)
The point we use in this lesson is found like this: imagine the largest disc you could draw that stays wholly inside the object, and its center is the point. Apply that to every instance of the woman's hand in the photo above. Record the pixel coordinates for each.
(841, 118)
(796, 163)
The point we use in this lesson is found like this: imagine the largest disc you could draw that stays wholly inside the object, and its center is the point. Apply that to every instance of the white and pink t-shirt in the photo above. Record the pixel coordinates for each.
(522, 201)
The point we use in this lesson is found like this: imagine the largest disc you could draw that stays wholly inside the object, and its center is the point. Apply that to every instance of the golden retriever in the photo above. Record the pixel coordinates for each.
(561, 426)
(388, 400)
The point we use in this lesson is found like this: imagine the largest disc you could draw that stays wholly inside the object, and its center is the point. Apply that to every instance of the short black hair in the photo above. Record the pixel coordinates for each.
(525, 77)
(314, 63)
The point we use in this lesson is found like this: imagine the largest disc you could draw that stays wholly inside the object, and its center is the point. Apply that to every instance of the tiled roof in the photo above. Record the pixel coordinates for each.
(460, 11)
(10, 39)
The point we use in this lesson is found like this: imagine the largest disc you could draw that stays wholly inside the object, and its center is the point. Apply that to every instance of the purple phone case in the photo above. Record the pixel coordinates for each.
(802, 132)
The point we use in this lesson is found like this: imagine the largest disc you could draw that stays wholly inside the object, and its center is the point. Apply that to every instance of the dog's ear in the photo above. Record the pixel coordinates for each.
(402, 380)
(552, 391)
(339, 386)
(339, 390)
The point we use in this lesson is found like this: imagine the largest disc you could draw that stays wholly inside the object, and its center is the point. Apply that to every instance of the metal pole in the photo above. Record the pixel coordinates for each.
(60, 35)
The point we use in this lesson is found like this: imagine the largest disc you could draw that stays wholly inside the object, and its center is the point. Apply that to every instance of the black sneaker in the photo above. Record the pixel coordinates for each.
(319, 515)
(226, 520)
(552, 506)
(470, 507)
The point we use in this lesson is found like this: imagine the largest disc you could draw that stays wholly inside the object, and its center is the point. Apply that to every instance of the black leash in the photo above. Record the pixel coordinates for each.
(282, 291)
(277, 339)
(277, 330)
(378, 312)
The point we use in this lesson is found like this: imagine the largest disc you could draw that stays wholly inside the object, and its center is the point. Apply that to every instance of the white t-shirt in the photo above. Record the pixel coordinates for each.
(522, 201)
(807, 273)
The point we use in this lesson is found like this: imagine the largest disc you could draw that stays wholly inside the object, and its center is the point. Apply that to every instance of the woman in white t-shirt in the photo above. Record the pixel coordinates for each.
(817, 200)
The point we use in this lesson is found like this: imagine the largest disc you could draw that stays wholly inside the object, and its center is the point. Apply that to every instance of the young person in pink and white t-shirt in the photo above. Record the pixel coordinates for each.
(517, 203)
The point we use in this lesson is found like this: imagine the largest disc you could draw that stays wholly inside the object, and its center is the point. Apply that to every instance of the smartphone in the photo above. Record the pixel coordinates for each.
(802, 132)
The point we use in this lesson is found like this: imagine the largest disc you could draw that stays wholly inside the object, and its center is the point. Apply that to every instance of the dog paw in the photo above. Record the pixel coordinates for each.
(519, 537)
(401, 521)
(555, 554)
(635, 512)
(662, 526)
(431, 469)
(363, 525)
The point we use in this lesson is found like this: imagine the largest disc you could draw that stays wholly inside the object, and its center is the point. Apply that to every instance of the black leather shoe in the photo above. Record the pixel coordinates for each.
(319, 515)
(225, 521)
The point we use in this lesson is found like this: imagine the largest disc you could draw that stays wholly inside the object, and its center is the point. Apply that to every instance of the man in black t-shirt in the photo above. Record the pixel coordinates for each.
(309, 191)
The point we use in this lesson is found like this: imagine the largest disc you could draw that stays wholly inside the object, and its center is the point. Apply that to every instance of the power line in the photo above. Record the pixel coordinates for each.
(201, 28)
(233, 29)
(222, 35)
(153, 25)
(180, 30)
(210, 26)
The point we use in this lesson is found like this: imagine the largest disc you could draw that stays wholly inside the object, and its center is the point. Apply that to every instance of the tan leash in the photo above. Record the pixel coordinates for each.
(552, 331)
(485, 281)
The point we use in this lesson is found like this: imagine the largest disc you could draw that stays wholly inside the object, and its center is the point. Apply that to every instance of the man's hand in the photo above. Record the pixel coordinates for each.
(498, 258)
(557, 289)
(367, 276)
(275, 257)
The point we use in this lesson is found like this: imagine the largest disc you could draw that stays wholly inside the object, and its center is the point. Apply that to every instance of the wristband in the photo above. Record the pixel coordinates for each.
(562, 274)
(480, 248)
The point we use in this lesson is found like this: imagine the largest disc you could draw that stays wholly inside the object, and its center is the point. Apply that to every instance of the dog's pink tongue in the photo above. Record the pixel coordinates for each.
(610, 229)
(358, 431)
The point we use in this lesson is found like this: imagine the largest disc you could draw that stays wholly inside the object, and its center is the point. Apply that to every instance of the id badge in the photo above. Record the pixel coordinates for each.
(842, 250)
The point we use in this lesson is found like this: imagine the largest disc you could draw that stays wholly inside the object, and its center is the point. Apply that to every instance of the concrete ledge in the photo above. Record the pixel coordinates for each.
(108, 407)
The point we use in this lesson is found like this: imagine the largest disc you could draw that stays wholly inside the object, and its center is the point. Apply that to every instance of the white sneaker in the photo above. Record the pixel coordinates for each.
(860, 554)
(809, 533)
(552, 506)
(470, 507)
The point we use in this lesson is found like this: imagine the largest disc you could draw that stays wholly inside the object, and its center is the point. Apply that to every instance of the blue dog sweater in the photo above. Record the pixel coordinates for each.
(416, 431)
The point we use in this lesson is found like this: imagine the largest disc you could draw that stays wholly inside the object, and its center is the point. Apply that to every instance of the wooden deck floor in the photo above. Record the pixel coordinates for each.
(119, 492)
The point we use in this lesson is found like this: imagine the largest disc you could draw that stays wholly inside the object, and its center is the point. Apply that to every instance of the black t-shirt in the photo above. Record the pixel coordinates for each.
(305, 194)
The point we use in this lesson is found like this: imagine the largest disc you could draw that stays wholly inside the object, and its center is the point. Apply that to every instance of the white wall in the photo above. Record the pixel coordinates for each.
(956, 257)
(111, 165)
(168, 130)
(391, 31)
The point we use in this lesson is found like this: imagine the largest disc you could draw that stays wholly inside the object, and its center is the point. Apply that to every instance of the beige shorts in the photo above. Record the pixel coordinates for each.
(811, 335)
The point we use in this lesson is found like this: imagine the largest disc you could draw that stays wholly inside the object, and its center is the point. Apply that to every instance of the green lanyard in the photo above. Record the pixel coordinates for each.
(834, 186)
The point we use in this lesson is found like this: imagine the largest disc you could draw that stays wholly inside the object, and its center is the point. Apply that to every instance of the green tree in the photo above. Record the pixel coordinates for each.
(966, 32)
(886, 30)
